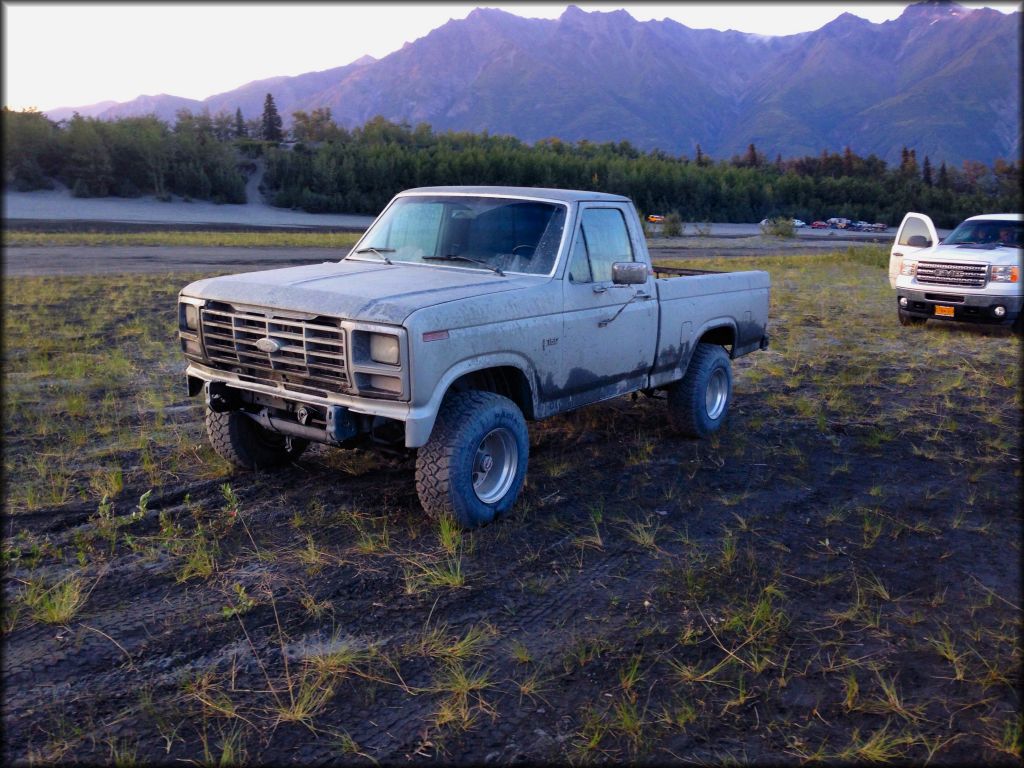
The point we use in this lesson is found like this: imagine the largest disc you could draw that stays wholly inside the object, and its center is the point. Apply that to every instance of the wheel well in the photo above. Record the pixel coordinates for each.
(723, 334)
(506, 380)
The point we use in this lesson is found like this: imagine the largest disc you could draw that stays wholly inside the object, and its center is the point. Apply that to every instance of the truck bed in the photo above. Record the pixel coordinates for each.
(694, 300)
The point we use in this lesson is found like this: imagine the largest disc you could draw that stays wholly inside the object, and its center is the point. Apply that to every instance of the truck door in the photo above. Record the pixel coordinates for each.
(916, 233)
(610, 331)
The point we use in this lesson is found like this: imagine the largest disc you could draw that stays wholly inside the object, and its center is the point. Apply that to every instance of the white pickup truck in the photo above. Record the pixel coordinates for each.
(973, 275)
(460, 314)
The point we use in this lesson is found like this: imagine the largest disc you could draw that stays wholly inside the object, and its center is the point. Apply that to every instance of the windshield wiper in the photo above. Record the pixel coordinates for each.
(378, 252)
(471, 260)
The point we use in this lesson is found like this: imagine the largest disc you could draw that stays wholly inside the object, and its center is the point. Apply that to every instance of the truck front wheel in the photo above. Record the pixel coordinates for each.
(908, 319)
(473, 466)
(246, 444)
(697, 404)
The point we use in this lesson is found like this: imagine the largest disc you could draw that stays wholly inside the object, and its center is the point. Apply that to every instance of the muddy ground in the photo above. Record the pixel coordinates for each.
(837, 583)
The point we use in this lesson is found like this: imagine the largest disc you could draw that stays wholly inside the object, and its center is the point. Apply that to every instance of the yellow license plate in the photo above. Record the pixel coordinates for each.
(941, 311)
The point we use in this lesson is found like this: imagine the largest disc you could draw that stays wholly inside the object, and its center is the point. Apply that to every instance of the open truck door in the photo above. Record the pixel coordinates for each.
(916, 233)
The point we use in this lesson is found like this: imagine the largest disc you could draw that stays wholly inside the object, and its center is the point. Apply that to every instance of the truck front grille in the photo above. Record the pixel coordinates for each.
(945, 273)
(303, 355)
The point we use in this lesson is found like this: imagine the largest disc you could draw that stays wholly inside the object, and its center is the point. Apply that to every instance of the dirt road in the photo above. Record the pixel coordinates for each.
(108, 260)
(23, 261)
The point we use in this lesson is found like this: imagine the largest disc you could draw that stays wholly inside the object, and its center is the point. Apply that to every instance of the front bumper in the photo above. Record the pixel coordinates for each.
(967, 308)
(418, 421)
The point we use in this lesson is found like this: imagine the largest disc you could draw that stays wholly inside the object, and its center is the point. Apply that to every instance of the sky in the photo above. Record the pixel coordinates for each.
(76, 54)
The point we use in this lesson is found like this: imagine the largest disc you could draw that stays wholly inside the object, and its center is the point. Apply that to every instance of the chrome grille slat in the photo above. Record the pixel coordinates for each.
(312, 357)
(951, 273)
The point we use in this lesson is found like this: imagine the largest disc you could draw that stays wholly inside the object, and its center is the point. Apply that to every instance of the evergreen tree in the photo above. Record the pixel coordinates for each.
(943, 176)
(240, 130)
(926, 171)
(271, 128)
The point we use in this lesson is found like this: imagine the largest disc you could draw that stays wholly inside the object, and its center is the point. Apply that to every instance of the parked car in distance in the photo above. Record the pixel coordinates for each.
(655, 218)
(972, 276)
(819, 225)
(837, 222)
(768, 220)
(879, 227)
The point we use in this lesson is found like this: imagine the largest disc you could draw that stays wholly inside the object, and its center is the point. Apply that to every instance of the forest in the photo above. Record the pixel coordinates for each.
(319, 166)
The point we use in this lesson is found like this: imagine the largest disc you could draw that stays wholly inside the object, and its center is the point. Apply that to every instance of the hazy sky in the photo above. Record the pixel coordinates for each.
(62, 54)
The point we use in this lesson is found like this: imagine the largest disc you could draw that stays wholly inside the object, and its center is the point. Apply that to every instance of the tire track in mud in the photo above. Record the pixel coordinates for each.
(527, 575)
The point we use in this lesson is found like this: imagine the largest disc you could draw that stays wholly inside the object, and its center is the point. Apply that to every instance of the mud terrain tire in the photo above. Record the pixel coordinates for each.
(473, 466)
(908, 319)
(699, 403)
(246, 444)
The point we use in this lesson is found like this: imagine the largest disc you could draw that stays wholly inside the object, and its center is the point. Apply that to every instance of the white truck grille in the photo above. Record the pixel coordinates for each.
(302, 355)
(945, 273)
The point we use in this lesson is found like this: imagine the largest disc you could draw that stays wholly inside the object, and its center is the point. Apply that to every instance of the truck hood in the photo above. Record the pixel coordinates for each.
(357, 290)
(987, 254)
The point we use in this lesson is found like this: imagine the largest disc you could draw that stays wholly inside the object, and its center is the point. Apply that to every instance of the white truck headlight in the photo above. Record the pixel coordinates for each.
(384, 348)
(908, 268)
(1003, 274)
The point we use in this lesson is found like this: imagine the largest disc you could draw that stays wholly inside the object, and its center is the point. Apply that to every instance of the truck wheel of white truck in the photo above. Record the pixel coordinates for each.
(906, 318)
(473, 466)
(698, 404)
(246, 444)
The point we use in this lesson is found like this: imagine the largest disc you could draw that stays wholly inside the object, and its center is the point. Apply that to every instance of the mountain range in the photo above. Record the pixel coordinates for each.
(940, 79)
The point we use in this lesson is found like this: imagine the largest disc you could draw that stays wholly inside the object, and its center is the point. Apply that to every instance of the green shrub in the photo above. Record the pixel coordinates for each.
(673, 225)
(780, 226)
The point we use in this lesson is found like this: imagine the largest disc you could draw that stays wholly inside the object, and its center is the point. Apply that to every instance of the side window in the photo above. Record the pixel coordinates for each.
(579, 263)
(602, 240)
(913, 228)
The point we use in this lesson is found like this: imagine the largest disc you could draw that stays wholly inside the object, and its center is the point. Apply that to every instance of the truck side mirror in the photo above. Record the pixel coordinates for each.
(918, 241)
(629, 273)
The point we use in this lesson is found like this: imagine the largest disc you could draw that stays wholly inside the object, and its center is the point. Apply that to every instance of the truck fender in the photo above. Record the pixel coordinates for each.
(724, 325)
(421, 418)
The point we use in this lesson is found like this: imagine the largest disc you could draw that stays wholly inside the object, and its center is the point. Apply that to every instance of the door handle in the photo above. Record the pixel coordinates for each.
(600, 288)
(642, 295)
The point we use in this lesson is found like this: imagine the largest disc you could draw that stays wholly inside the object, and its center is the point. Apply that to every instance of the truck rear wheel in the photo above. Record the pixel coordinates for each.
(908, 319)
(698, 404)
(246, 444)
(473, 466)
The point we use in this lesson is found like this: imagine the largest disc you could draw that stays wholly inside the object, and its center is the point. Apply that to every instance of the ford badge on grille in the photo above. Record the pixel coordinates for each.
(269, 345)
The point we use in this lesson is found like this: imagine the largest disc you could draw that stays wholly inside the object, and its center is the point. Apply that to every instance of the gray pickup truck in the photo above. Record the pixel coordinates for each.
(460, 314)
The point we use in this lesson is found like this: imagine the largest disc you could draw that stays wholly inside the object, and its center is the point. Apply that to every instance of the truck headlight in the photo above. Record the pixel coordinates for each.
(188, 317)
(384, 348)
(908, 268)
(1003, 274)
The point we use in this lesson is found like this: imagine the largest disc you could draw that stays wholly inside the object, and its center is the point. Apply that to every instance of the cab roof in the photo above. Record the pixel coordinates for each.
(997, 217)
(541, 193)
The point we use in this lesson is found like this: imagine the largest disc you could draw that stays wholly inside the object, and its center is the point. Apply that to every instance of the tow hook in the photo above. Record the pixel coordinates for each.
(220, 398)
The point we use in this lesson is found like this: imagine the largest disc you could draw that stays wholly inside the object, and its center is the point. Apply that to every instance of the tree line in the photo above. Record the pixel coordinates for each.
(327, 168)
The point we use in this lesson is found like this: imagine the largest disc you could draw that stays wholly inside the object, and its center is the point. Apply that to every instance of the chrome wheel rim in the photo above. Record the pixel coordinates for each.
(717, 394)
(495, 464)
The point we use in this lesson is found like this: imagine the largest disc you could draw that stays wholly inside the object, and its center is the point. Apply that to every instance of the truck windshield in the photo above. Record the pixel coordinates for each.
(988, 233)
(486, 233)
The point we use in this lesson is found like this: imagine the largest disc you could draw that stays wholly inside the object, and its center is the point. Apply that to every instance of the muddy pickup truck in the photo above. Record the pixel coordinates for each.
(461, 314)
(973, 275)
